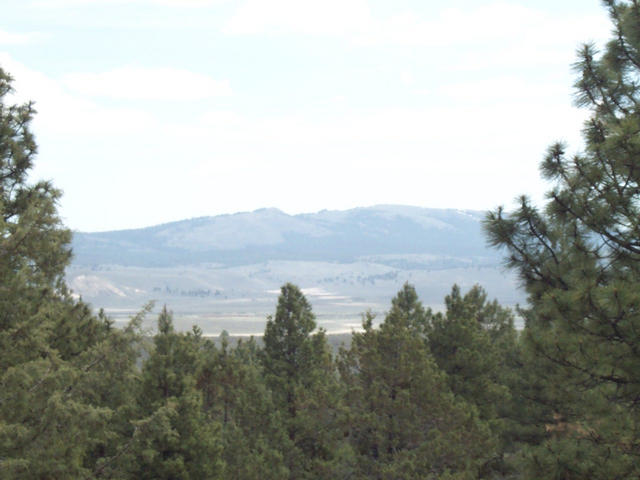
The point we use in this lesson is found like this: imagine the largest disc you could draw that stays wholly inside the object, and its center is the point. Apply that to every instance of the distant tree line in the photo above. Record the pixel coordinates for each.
(458, 394)
(194, 292)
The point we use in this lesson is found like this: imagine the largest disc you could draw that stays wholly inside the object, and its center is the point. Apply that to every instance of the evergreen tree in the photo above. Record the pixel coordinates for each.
(173, 439)
(172, 365)
(579, 260)
(471, 342)
(290, 352)
(474, 343)
(236, 396)
(405, 422)
(300, 373)
(58, 418)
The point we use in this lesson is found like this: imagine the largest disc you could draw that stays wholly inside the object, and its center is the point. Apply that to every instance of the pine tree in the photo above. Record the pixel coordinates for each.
(579, 260)
(300, 374)
(57, 417)
(405, 422)
(475, 343)
(172, 365)
(236, 396)
(471, 342)
(173, 438)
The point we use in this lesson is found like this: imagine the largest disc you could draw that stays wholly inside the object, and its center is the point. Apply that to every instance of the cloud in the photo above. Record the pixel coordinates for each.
(230, 160)
(499, 90)
(61, 113)
(461, 156)
(89, 3)
(490, 23)
(188, 3)
(473, 141)
(133, 83)
(326, 17)
(354, 20)
(7, 38)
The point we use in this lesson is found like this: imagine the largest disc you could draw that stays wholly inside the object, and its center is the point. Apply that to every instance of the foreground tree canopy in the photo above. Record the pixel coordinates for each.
(458, 394)
(579, 260)
(55, 361)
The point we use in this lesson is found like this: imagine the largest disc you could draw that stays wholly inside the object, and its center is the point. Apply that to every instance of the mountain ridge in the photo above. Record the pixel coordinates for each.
(380, 206)
(224, 271)
(271, 234)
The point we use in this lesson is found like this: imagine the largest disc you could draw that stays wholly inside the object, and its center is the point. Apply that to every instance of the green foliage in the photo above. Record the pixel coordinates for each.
(475, 343)
(75, 403)
(236, 396)
(453, 395)
(174, 438)
(471, 342)
(172, 365)
(33, 243)
(64, 373)
(300, 373)
(404, 420)
(290, 353)
(579, 260)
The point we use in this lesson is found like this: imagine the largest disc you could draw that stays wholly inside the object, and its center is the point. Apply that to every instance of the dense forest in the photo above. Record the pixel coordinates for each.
(458, 394)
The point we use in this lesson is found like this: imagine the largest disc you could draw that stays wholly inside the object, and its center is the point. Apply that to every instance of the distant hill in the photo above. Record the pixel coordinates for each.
(384, 232)
(224, 272)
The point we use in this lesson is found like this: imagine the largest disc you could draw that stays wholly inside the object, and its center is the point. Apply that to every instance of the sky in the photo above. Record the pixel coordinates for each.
(151, 111)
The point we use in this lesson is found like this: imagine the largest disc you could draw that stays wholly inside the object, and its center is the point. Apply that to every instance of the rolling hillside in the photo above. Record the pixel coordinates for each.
(224, 271)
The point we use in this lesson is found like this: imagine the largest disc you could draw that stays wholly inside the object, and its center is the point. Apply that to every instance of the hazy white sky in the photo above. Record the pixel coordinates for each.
(158, 110)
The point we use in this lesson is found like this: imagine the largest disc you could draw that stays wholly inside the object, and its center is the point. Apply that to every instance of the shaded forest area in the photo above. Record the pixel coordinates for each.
(454, 395)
